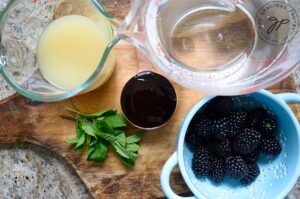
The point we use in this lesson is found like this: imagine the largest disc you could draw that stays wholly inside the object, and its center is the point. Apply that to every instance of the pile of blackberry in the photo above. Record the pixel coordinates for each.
(227, 140)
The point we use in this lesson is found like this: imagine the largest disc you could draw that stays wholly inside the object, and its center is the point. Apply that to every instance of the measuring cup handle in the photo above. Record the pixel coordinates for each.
(165, 178)
(289, 97)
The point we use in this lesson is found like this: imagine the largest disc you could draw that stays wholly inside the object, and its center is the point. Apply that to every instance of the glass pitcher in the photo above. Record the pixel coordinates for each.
(224, 47)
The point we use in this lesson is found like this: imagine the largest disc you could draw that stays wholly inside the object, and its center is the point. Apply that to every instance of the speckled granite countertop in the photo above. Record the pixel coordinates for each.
(28, 171)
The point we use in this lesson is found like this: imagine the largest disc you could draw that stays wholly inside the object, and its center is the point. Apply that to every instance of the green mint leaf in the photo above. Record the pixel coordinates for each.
(121, 138)
(93, 141)
(97, 153)
(97, 127)
(102, 126)
(98, 130)
(88, 140)
(79, 122)
(109, 138)
(128, 162)
(121, 151)
(72, 141)
(133, 147)
(133, 154)
(80, 142)
(78, 149)
(88, 130)
(116, 121)
(135, 138)
(94, 115)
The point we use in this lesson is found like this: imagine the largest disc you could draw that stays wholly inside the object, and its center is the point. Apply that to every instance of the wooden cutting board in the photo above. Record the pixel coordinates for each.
(26, 121)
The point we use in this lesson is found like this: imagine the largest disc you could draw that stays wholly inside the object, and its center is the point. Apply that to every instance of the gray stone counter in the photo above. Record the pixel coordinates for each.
(28, 171)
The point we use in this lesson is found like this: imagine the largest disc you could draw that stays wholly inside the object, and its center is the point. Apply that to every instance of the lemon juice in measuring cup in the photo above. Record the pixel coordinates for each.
(69, 51)
(53, 50)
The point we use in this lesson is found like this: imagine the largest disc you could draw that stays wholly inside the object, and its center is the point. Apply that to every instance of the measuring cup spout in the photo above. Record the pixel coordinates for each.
(131, 29)
(111, 18)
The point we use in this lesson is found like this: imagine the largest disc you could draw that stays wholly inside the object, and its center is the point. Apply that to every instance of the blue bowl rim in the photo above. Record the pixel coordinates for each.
(187, 119)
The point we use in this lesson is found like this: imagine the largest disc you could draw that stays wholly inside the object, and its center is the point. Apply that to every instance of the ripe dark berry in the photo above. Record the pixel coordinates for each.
(200, 126)
(217, 173)
(208, 143)
(228, 141)
(268, 126)
(270, 145)
(253, 172)
(201, 163)
(247, 141)
(251, 157)
(218, 107)
(256, 116)
(239, 117)
(220, 128)
(223, 148)
(236, 167)
(233, 128)
(193, 139)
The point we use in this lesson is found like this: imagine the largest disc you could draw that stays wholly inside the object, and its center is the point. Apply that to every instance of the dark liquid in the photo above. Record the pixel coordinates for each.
(148, 100)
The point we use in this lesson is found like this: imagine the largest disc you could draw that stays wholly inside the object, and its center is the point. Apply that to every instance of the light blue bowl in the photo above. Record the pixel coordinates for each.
(278, 175)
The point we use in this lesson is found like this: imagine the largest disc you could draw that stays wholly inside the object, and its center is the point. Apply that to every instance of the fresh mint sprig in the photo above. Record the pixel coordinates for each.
(99, 130)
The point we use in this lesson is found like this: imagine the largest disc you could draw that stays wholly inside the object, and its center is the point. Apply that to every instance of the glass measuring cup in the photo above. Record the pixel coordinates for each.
(22, 24)
(224, 47)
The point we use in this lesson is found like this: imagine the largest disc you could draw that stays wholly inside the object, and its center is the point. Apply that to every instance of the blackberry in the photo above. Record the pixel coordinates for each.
(201, 163)
(256, 116)
(268, 126)
(239, 117)
(220, 128)
(217, 173)
(208, 143)
(270, 145)
(200, 126)
(252, 157)
(236, 167)
(218, 107)
(223, 148)
(247, 141)
(253, 172)
(232, 128)
(193, 139)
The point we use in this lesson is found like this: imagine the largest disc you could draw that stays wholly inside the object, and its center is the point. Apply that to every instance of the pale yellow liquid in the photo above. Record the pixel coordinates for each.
(70, 49)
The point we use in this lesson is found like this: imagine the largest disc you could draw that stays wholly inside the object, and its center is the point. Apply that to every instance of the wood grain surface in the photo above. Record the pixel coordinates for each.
(23, 120)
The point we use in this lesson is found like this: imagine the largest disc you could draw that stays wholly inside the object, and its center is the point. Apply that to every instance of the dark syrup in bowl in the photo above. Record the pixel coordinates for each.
(148, 100)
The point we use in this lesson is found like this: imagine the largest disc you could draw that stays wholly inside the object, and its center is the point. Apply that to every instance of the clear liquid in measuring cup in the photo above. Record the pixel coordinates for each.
(210, 40)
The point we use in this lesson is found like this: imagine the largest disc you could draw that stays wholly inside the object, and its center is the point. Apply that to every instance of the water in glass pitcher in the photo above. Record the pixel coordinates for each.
(215, 37)
(215, 40)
